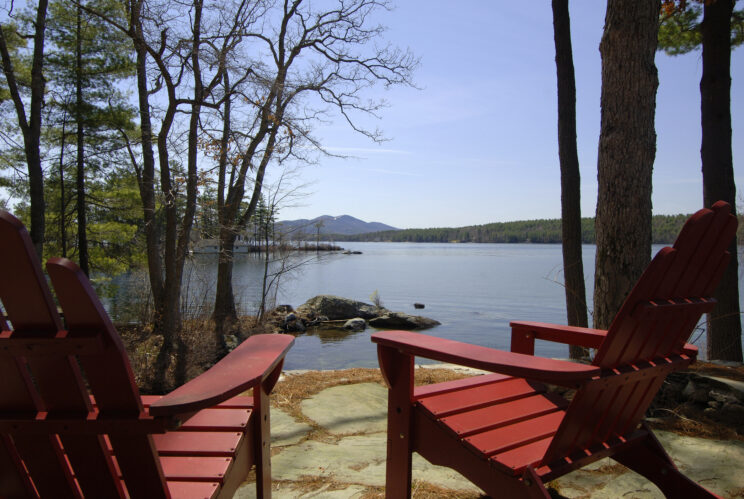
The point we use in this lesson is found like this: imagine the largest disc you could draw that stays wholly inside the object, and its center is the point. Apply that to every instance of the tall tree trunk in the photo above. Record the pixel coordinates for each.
(62, 198)
(31, 126)
(225, 311)
(224, 304)
(82, 225)
(573, 263)
(231, 220)
(724, 323)
(33, 144)
(162, 319)
(627, 148)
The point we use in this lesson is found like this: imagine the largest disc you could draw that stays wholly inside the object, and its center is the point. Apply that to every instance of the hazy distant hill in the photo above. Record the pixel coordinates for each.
(664, 230)
(343, 225)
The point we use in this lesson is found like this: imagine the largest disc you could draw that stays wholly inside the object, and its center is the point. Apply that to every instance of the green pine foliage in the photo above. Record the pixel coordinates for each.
(679, 28)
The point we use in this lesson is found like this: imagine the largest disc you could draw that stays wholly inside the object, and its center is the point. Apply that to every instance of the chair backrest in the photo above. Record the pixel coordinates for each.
(55, 439)
(647, 337)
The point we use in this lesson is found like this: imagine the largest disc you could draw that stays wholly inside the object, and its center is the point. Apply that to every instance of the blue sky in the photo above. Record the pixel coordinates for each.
(477, 142)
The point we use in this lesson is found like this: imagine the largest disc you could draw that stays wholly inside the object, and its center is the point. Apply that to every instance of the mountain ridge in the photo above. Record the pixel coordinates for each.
(342, 225)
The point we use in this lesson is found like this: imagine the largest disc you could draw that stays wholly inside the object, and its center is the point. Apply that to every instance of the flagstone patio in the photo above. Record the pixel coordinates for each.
(328, 441)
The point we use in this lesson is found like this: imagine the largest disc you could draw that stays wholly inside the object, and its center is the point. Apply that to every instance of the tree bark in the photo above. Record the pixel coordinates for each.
(31, 126)
(627, 148)
(62, 198)
(225, 311)
(724, 323)
(573, 263)
(82, 225)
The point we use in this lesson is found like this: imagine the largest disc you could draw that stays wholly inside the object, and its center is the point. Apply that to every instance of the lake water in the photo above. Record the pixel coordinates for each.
(474, 290)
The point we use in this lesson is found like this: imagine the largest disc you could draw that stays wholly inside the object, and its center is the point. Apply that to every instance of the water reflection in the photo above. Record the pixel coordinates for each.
(331, 334)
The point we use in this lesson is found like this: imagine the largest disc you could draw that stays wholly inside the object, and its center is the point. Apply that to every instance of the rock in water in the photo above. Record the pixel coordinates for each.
(397, 320)
(337, 308)
(356, 324)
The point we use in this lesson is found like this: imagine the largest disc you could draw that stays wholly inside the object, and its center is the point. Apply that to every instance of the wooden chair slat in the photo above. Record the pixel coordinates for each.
(621, 332)
(194, 490)
(237, 402)
(190, 469)
(614, 418)
(515, 435)
(45, 460)
(479, 396)
(15, 480)
(502, 414)
(141, 481)
(93, 467)
(516, 460)
(23, 289)
(708, 251)
(231, 420)
(109, 374)
(197, 443)
(458, 384)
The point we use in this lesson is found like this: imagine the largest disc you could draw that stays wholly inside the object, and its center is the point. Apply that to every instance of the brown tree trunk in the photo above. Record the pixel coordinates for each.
(31, 126)
(163, 319)
(724, 323)
(225, 311)
(573, 263)
(33, 153)
(62, 195)
(82, 224)
(627, 148)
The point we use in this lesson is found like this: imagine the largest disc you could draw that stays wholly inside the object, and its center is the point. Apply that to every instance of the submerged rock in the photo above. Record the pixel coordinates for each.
(356, 324)
(398, 320)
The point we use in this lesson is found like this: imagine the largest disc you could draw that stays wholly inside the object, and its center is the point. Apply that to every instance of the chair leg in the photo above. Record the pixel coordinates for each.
(397, 369)
(262, 441)
(534, 485)
(650, 460)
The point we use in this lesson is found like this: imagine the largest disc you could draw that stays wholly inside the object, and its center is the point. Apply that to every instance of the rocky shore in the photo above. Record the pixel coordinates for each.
(328, 311)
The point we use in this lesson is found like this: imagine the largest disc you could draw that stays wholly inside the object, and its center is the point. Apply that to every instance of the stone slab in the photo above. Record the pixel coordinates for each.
(714, 464)
(293, 491)
(358, 459)
(349, 409)
(286, 430)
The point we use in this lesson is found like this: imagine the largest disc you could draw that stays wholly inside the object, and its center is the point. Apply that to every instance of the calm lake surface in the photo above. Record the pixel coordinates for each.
(474, 290)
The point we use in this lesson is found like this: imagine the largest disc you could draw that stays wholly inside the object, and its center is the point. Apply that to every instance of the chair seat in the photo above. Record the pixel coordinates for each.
(198, 456)
(508, 420)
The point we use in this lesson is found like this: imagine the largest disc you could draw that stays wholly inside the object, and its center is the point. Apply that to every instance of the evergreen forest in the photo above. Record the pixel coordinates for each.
(664, 230)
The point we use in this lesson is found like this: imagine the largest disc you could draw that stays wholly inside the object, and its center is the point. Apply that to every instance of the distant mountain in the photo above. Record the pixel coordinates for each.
(344, 225)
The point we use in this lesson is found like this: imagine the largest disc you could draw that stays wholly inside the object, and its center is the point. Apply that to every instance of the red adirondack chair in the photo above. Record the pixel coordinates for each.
(509, 436)
(72, 421)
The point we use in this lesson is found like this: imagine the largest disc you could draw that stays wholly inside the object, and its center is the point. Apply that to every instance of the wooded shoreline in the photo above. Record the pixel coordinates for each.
(665, 229)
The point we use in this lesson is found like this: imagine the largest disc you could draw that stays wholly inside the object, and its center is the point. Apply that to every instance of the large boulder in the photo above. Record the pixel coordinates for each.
(397, 320)
(337, 308)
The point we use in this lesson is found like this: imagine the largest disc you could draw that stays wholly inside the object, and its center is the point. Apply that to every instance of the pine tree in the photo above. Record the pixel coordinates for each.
(87, 63)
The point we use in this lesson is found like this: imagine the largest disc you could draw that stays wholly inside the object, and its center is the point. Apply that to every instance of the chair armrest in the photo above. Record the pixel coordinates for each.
(514, 364)
(524, 335)
(249, 364)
